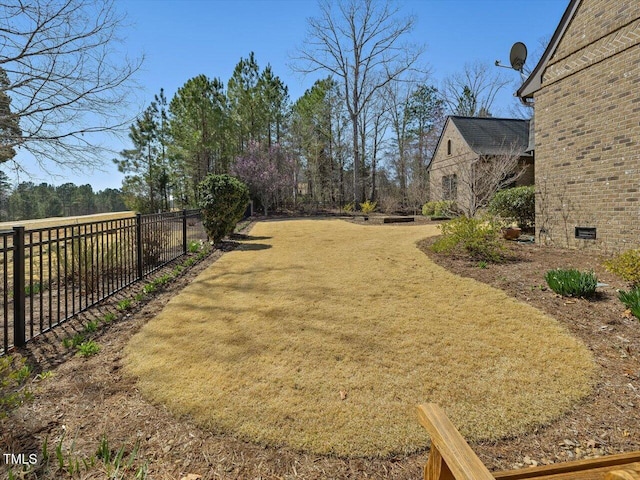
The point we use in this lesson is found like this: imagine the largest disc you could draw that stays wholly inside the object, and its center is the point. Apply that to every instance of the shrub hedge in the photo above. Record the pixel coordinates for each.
(515, 204)
(223, 200)
(476, 237)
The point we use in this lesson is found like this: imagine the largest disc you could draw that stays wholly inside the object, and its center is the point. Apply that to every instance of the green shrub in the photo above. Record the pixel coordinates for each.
(631, 300)
(475, 237)
(440, 208)
(626, 266)
(223, 200)
(515, 204)
(571, 282)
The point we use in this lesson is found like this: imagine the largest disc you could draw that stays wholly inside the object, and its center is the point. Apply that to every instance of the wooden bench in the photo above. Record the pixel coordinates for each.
(451, 458)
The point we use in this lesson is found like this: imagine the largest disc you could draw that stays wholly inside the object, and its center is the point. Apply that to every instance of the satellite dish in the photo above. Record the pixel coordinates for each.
(518, 56)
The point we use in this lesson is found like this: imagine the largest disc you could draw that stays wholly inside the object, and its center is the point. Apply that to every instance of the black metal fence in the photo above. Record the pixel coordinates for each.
(51, 274)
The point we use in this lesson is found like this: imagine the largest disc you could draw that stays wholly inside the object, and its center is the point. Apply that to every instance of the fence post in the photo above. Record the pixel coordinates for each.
(19, 300)
(139, 244)
(184, 231)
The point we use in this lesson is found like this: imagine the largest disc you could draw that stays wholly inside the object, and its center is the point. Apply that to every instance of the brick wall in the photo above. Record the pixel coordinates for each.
(588, 130)
(592, 19)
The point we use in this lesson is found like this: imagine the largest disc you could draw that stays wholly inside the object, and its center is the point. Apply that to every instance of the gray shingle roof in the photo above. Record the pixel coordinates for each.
(493, 136)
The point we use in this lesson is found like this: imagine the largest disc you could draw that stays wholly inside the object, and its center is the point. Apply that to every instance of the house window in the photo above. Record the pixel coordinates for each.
(450, 187)
(448, 147)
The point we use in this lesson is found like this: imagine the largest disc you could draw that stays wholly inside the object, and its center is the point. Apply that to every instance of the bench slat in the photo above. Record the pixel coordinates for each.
(593, 468)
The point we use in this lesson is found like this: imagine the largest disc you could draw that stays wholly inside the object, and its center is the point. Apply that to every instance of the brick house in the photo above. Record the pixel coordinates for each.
(586, 93)
(469, 148)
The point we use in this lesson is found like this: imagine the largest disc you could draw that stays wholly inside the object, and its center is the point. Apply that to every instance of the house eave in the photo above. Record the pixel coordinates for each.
(533, 83)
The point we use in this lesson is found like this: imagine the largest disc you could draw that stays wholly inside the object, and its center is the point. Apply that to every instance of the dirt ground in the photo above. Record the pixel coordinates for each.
(87, 399)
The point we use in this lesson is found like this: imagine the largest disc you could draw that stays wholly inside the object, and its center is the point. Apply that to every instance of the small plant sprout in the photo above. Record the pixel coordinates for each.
(14, 373)
(194, 246)
(109, 317)
(124, 305)
(88, 348)
(33, 289)
(72, 342)
(631, 300)
(91, 327)
(45, 375)
(178, 269)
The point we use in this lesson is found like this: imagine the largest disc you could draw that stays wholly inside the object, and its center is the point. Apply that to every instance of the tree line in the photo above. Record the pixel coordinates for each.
(29, 200)
(366, 131)
(286, 152)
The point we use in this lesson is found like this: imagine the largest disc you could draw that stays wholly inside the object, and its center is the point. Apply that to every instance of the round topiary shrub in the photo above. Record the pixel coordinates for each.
(223, 200)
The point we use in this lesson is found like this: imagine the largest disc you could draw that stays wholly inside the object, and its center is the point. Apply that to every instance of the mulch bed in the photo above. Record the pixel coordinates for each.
(89, 398)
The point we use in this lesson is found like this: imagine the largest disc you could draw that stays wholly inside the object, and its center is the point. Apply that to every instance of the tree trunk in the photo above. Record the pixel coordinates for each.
(356, 164)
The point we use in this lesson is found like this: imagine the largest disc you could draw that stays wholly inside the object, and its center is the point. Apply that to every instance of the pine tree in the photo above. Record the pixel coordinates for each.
(198, 124)
(10, 132)
(142, 164)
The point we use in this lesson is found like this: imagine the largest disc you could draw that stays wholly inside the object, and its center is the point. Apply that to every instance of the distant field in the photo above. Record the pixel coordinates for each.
(57, 221)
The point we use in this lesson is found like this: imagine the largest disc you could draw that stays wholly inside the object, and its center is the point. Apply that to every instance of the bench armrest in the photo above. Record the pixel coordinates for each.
(450, 458)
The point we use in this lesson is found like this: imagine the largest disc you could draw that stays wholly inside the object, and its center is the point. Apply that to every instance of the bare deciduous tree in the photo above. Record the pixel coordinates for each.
(482, 178)
(477, 180)
(359, 43)
(66, 78)
(472, 92)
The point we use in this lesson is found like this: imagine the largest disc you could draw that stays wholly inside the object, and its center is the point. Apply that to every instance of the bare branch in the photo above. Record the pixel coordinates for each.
(66, 78)
(473, 91)
(360, 43)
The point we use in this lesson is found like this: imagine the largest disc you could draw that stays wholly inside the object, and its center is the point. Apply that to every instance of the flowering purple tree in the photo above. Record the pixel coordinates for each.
(268, 172)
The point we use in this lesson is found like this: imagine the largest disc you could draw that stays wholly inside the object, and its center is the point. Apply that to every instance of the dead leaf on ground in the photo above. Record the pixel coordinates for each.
(592, 443)
(192, 476)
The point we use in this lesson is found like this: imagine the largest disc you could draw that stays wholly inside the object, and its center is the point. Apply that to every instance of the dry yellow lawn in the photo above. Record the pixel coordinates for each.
(323, 335)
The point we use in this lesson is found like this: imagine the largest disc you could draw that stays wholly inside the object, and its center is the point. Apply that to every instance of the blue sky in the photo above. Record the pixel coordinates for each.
(182, 39)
